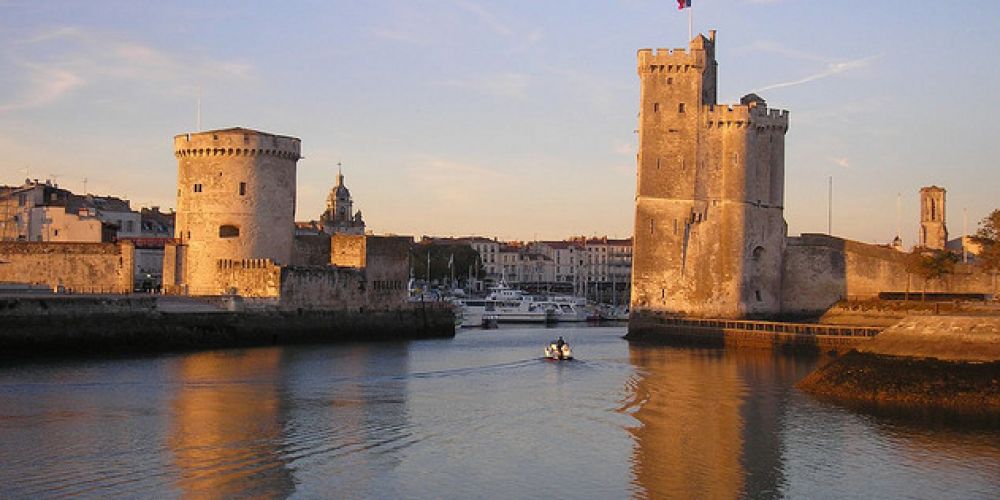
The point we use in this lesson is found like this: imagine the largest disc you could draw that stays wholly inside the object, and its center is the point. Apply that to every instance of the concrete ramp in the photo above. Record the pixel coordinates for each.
(949, 338)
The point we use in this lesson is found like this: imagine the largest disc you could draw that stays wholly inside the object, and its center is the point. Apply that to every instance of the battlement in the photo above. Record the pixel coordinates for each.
(236, 142)
(246, 264)
(679, 59)
(744, 115)
(669, 60)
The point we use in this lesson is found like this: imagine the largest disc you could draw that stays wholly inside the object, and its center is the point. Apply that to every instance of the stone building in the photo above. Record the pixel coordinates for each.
(236, 235)
(709, 227)
(42, 211)
(933, 232)
(339, 217)
(235, 200)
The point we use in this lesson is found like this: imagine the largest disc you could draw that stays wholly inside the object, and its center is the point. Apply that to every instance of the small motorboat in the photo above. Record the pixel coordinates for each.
(553, 352)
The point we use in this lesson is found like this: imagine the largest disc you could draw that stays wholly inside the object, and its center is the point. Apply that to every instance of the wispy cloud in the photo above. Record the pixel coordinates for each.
(832, 68)
(412, 25)
(503, 85)
(459, 186)
(841, 162)
(51, 65)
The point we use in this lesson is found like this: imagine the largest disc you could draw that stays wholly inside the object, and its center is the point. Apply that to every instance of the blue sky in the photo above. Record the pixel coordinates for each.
(512, 119)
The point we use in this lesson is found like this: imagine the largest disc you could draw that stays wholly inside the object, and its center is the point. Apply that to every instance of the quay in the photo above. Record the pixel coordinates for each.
(653, 327)
(42, 326)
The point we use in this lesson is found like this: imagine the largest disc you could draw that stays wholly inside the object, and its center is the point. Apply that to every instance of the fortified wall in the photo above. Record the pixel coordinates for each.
(357, 271)
(820, 270)
(69, 267)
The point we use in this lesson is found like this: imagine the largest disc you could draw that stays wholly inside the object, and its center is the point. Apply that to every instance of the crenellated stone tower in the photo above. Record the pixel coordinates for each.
(235, 201)
(933, 232)
(709, 227)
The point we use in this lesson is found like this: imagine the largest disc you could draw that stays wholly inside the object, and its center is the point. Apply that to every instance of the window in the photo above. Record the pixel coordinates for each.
(129, 226)
(228, 231)
(656, 107)
(680, 108)
(56, 232)
(757, 294)
(197, 188)
(243, 188)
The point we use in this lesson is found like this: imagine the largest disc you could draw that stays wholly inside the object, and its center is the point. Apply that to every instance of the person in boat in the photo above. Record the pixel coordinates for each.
(559, 347)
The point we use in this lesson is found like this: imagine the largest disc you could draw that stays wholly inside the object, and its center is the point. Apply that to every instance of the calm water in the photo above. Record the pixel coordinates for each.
(478, 416)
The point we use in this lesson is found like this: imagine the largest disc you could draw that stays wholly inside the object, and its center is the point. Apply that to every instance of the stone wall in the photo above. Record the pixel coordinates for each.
(387, 270)
(324, 287)
(249, 277)
(311, 250)
(348, 250)
(820, 270)
(72, 267)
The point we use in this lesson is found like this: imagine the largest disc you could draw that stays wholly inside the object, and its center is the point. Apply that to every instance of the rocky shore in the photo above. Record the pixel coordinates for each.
(946, 364)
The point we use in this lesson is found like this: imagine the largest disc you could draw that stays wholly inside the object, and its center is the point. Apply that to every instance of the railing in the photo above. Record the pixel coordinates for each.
(775, 327)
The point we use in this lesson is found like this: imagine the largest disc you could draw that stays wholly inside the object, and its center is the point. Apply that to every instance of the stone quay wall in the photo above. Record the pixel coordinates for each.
(804, 337)
(74, 326)
(69, 267)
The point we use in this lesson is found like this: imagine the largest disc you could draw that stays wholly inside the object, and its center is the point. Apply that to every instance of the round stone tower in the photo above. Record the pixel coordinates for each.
(235, 200)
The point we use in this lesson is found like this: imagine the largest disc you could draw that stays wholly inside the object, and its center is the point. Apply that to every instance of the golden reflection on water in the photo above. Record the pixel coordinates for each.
(227, 423)
(699, 435)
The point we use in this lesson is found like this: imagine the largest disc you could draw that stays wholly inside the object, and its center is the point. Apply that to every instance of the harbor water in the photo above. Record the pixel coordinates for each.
(478, 416)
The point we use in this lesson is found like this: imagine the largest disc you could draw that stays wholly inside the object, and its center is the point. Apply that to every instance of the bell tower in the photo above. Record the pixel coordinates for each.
(933, 232)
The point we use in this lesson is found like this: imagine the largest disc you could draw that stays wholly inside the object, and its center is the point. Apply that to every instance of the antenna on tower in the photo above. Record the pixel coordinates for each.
(899, 209)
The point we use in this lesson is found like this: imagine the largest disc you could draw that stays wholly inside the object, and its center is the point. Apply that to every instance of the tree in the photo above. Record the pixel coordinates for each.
(988, 237)
(461, 258)
(931, 265)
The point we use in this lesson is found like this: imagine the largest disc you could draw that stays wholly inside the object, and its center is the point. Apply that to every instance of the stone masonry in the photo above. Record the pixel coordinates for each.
(709, 224)
(235, 201)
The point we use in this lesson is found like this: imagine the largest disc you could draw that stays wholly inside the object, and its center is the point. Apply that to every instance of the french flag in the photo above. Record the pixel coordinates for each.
(681, 4)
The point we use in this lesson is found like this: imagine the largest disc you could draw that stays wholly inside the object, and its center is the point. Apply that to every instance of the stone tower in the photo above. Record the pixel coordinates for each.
(338, 217)
(933, 233)
(709, 227)
(235, 200)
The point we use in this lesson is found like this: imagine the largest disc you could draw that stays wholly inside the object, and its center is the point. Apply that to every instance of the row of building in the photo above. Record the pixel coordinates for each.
(596, 267)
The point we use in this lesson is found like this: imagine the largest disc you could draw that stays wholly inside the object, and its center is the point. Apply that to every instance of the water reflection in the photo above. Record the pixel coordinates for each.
(710, 421)
(226, 431)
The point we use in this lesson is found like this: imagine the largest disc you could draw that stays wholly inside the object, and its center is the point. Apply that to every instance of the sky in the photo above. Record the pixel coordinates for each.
(514, 119)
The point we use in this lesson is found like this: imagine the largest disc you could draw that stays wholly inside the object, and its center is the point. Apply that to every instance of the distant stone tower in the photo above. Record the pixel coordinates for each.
(338, 217)
(933, 232)
(709, 227)
(235, 200)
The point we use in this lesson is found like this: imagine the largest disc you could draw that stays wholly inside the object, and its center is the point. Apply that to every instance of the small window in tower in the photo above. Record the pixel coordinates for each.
(657, 163)
(670, 80)
(650, 227)
(680, 107)
(656, 107)
(675, 227)
(757, 294)
(243, 188)
(197, 188)
(229, 231)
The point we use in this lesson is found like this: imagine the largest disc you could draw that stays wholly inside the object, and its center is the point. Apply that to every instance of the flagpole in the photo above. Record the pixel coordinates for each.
(690, 22)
